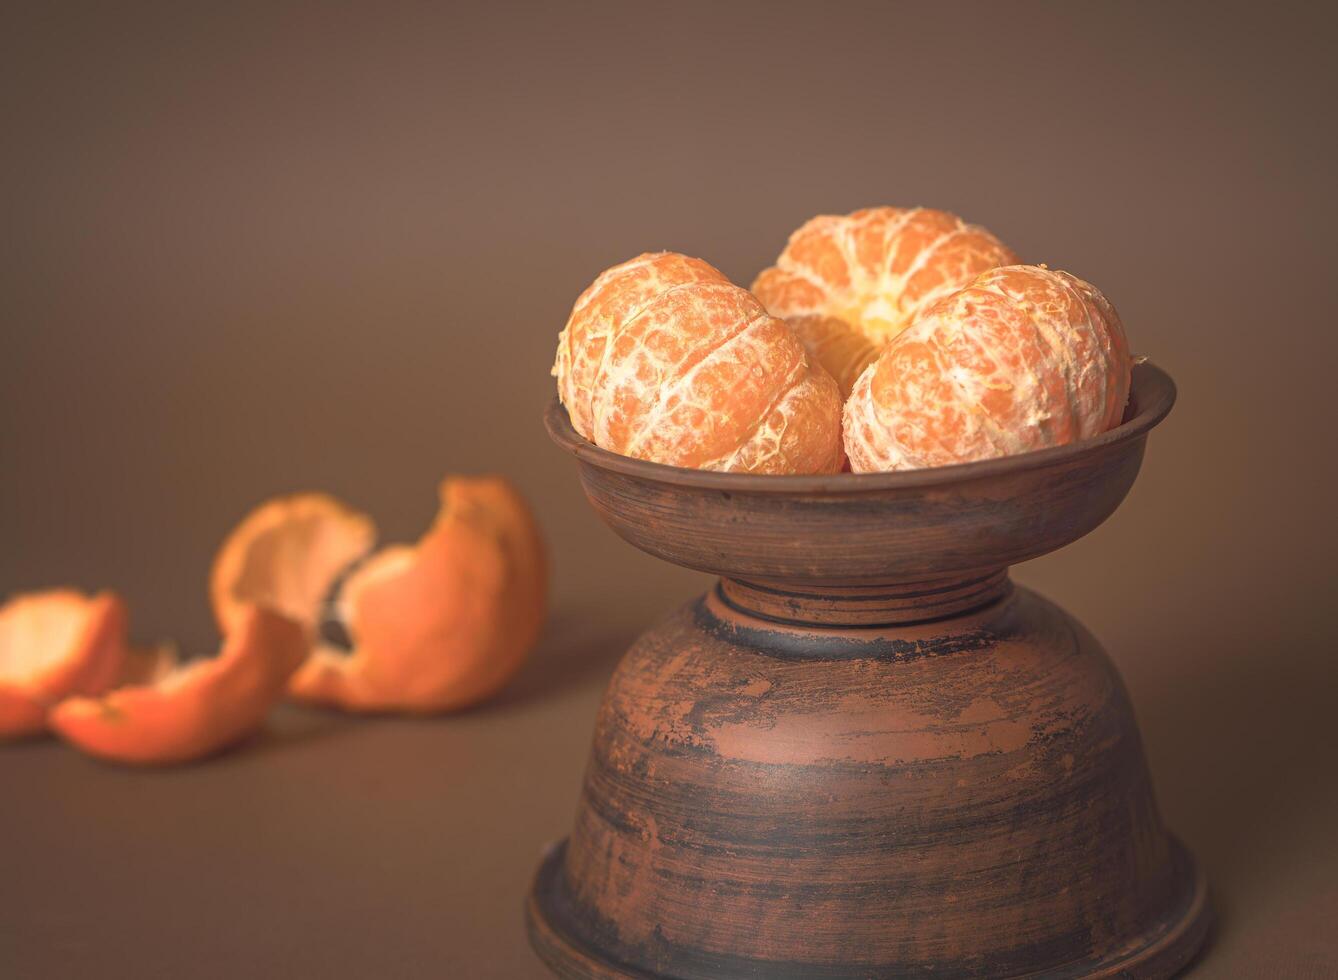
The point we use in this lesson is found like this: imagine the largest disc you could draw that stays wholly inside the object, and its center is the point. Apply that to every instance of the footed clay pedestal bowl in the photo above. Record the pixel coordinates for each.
(865, 753)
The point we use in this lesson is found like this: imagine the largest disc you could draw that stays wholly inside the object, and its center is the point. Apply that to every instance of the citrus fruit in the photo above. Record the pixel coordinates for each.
(850, 283)
(1020, 359)
(664, 359)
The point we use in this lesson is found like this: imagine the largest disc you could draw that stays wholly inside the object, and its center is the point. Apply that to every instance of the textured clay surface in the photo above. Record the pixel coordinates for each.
(765, 800)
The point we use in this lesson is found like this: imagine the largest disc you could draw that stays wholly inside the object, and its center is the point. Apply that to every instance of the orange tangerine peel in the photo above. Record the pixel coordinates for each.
(193, 710)
(443, 624)
(664, 359)
(20, 714)
(848, 284)
(147, 665)
(55, 644)
(286, 554)
(435, 626)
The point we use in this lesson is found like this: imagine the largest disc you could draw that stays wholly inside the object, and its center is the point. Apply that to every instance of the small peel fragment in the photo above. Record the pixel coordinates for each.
(193, 710)
(54, 644)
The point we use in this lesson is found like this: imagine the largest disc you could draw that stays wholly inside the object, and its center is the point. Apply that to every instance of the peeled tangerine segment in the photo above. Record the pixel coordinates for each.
(286, 554)
(850, 283)
(443, 624)
(1020, 359)
(55, 644)
(663, 358)
(193, 710)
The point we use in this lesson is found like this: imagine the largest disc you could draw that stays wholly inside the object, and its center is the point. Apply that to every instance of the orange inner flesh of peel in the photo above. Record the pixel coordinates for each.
(286, 554)
(54, 644)
(37, 633)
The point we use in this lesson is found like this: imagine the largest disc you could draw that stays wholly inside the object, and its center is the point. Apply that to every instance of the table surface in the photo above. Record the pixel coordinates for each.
(338, 847)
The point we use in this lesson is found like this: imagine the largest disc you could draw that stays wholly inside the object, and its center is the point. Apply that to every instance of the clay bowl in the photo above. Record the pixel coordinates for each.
(857, 529)
(864, 752)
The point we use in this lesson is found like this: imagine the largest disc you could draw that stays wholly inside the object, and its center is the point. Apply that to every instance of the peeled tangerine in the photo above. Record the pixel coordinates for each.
(175, 714)
(1020, 359)
(848, 284)
(436, 626)
(665, 359)
(53, 645)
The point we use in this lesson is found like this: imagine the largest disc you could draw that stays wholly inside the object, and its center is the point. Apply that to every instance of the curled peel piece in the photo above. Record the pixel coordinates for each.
(55, 644)
(147, 665)
(286, 554)
(434, 627)
(193, 710)
(443, 624)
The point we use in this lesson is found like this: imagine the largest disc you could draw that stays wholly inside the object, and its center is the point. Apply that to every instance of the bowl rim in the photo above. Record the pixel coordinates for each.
(1151, 389)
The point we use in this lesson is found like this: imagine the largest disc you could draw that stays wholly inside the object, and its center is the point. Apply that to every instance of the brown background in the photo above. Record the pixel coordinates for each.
(256, 251)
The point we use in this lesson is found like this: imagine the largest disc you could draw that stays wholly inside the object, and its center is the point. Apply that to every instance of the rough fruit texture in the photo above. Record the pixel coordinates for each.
(55, 644)
(849, 284)
(194, 710)
(434, 627)
(842, 351)
(663, 358)
(1020, 359)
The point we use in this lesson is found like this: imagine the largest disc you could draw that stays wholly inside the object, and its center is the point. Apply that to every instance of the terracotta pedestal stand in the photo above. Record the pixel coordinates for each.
(865, 753)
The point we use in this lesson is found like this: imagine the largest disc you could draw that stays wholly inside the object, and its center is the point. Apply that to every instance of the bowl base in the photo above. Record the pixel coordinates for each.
(1162, 951)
